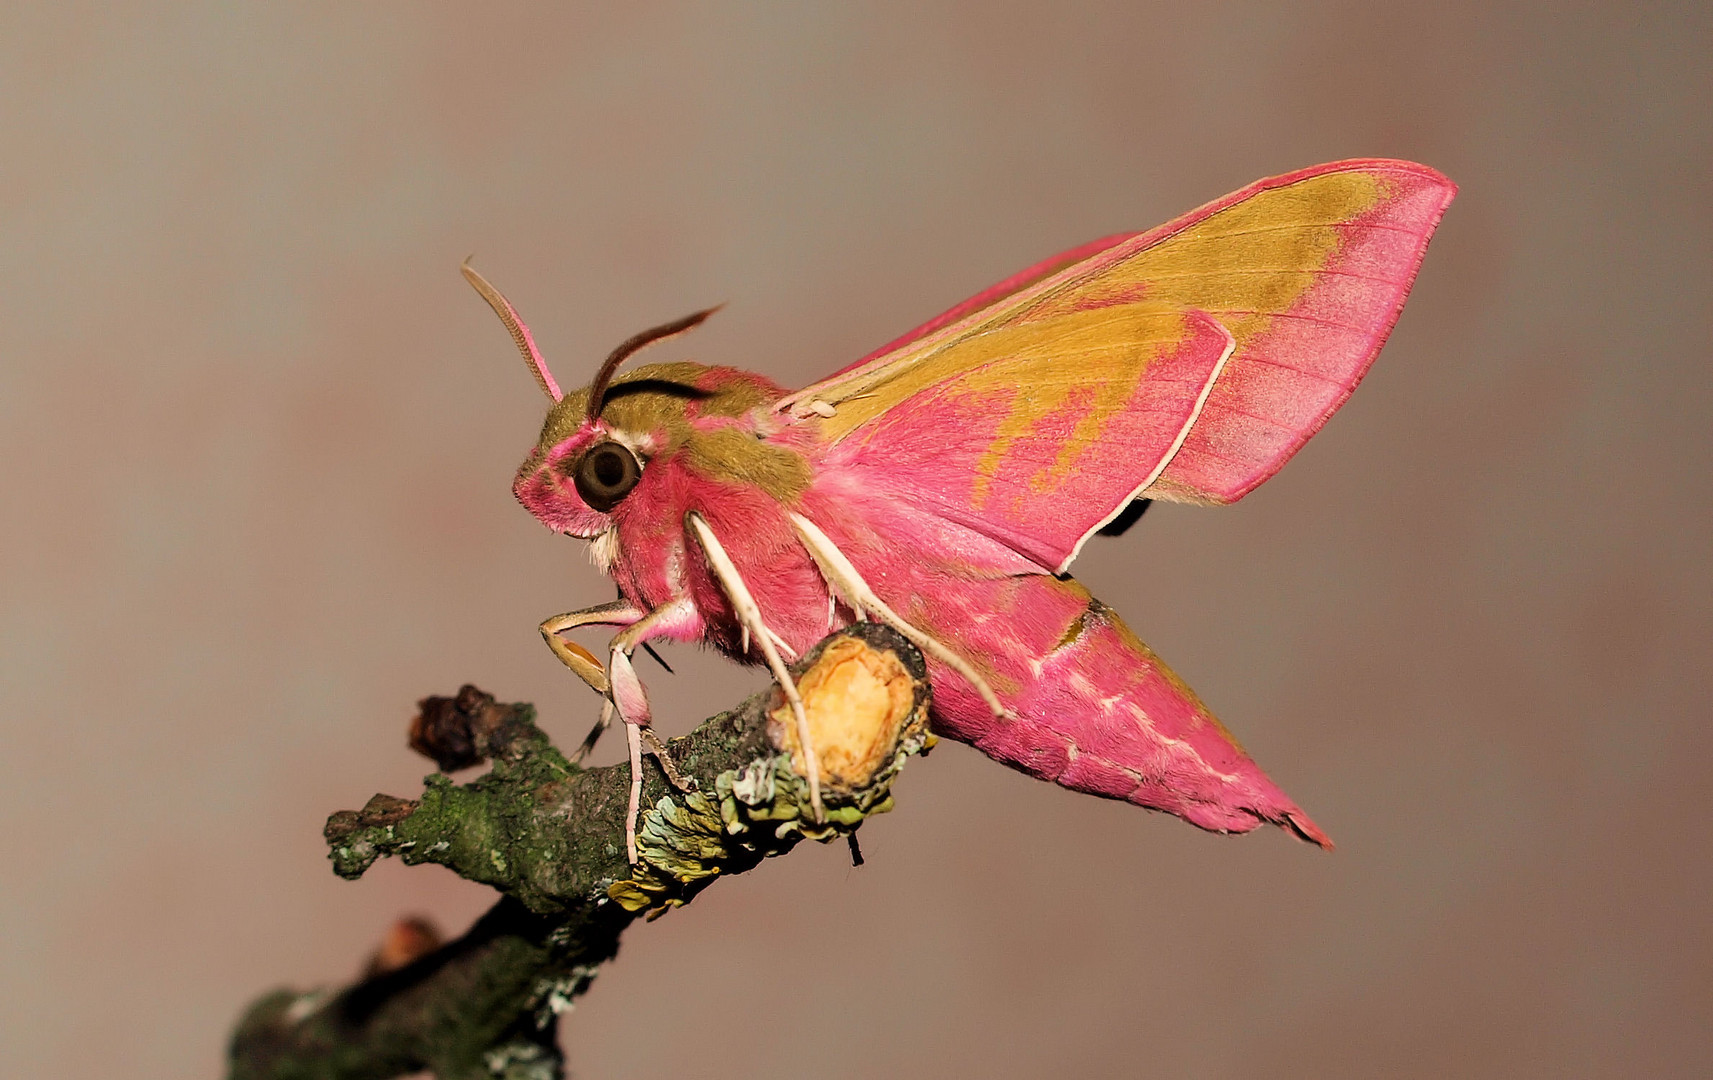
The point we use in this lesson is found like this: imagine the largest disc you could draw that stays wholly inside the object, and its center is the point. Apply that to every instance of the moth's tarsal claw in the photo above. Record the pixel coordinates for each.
(651, 742)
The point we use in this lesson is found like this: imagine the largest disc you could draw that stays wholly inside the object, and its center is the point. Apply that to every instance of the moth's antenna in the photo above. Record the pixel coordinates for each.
(604, 378)
(519, 332)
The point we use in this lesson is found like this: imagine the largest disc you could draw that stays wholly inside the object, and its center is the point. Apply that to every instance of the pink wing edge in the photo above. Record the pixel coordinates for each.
(1352, 373)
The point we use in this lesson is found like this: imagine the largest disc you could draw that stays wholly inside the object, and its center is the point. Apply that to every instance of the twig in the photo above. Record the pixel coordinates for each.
(550, 837)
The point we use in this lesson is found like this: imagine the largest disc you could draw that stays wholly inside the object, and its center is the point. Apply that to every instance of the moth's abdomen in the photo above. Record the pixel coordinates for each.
(1096, 710)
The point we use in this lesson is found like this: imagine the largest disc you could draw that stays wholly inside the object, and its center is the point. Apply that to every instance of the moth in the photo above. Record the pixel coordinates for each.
(945, 482)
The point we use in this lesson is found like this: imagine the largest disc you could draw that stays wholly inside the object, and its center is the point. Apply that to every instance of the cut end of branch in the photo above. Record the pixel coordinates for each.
(858, 700)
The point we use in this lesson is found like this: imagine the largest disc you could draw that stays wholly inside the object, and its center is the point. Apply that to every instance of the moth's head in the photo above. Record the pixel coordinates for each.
(578, 474)
(662, 432)
(592, 458)
(588, 464)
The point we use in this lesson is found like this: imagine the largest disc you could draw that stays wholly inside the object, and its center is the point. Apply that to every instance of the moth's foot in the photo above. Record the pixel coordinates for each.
(652, 744)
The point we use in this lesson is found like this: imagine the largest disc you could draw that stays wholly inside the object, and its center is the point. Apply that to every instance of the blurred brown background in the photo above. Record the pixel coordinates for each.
(258, 438)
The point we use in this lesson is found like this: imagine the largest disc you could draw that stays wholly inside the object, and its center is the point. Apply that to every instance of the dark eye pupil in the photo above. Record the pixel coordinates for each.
(609, 468)
(606, 474)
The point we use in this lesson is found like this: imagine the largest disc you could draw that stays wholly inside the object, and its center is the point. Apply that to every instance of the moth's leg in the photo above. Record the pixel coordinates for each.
(843, 576)
(749, 614)
(633, 743)
(630, 700)
(583, 662)
(778, 642)
(580, 660)
(595, 733)
(651, 743)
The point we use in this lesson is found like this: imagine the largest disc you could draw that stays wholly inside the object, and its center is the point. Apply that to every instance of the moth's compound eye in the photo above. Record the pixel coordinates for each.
(605, 474)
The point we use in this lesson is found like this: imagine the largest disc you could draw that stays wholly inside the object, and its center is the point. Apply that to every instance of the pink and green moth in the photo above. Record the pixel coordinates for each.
(944, 483)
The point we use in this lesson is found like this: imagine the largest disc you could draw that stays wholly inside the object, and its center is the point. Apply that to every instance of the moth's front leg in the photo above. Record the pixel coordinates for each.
(584, 663)
(626, 692)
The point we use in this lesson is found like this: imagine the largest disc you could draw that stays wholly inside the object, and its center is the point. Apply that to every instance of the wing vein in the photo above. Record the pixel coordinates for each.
(1277, 270)
(1182, 238)
(1331, 324)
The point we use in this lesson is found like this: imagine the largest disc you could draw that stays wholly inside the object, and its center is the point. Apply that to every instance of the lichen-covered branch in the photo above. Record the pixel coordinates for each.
(550, 837)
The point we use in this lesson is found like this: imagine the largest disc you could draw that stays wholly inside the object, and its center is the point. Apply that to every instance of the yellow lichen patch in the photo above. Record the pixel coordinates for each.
(858, 700)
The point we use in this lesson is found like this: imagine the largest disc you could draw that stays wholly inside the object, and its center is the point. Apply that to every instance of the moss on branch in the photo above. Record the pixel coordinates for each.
(549, 836)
